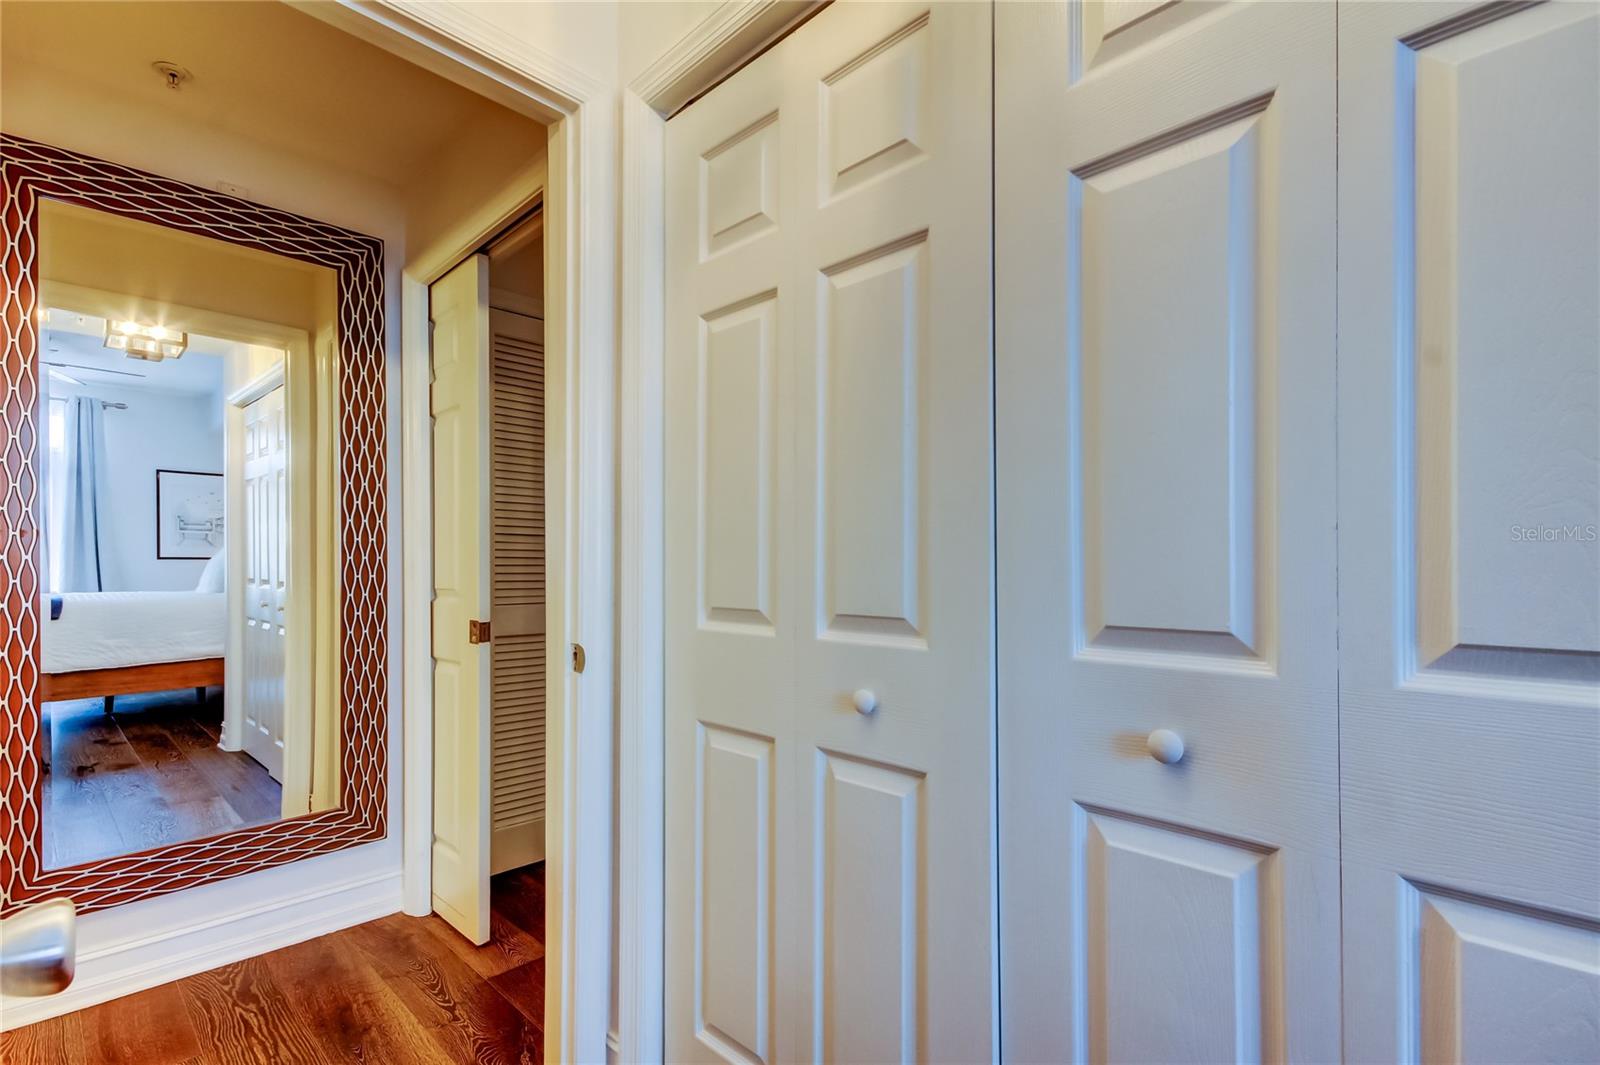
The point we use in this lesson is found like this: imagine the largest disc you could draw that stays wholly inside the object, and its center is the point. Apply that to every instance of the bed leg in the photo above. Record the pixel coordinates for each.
(110, 701)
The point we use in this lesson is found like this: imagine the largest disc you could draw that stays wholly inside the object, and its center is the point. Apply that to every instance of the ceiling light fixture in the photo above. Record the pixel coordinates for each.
(149, 342)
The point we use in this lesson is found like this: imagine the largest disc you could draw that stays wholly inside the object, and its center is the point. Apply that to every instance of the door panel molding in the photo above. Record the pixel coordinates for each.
(1166, 561)
(1469, 197)
(855, 306)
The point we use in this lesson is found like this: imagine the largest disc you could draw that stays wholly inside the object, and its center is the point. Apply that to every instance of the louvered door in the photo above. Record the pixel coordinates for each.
(517, 650)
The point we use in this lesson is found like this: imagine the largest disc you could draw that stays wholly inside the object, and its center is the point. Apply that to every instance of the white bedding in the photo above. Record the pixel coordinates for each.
(108, 630)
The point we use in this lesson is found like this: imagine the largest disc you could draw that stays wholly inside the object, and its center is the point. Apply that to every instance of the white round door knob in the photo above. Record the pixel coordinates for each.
(1165, 746)
(866, 701)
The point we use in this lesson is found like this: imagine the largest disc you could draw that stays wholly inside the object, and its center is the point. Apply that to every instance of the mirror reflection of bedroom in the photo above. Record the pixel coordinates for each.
(188, 650)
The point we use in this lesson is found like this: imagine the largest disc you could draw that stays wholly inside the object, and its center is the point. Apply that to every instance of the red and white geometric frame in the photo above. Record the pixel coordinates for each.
(29, 172)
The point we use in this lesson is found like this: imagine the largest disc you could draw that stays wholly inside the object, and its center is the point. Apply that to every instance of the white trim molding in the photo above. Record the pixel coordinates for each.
(712, 50)
(641, 824)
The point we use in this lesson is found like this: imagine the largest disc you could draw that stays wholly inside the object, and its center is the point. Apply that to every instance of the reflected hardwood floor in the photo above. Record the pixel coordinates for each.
(393, 991)
(148, 775)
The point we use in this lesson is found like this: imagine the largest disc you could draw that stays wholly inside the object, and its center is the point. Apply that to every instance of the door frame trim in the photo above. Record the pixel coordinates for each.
(461, 46)
(711, 51)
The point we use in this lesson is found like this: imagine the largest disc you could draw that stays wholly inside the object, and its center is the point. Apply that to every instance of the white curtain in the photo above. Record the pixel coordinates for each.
(86, 537)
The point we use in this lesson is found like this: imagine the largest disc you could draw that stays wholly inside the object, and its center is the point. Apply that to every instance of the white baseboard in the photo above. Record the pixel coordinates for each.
(126, 964)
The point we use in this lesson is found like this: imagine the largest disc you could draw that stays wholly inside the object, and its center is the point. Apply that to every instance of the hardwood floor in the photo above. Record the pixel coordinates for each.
(147, 775)
(390, 992)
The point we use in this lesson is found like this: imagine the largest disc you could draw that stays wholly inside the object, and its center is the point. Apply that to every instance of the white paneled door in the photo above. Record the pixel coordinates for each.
(266, 579)
(1168, 740)
(830, 719)
(1469, 498)
(462, 553)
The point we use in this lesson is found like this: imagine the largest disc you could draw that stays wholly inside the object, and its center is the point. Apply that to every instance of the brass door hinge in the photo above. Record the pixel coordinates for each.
(577, 658)
(477, 631)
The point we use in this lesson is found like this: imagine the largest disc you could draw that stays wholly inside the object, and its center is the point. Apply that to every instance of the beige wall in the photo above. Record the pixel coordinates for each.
(156, 266)
(36, 104)
(476, 181)
(646, 29)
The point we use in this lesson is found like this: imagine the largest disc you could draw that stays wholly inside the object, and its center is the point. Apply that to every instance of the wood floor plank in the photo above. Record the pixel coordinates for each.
(365, 1021)
(51, 1042)
(176, 778)
(470, 1020)
(240, 779)
(393, 991)
(149, 775)
(243, 1017)
(147, 1028)
(518, 895)
(80, 827)
(88, 743)
(509, 945)
(523, 987)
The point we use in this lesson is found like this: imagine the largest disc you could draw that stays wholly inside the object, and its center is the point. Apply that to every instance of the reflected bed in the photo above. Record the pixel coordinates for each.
(114, 643)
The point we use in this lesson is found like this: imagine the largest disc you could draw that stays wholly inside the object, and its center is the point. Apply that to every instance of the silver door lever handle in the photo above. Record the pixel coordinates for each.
(39, 949)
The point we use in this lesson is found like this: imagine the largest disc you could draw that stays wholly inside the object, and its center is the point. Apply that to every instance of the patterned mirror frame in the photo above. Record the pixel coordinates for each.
(31, 171)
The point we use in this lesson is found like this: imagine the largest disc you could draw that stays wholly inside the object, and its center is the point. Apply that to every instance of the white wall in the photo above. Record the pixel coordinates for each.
(157, 431)
(583, 34)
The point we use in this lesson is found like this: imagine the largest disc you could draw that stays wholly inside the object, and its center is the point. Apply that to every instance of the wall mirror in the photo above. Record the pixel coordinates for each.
(194, 490)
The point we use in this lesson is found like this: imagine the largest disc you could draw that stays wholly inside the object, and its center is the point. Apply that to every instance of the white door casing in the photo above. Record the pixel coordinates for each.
(265, 579)
(1166, 557)
(461, 558)
(830, 860)
(1469, 496)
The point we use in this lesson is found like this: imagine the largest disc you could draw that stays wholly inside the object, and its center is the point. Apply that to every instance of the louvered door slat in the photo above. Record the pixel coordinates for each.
(517, 702)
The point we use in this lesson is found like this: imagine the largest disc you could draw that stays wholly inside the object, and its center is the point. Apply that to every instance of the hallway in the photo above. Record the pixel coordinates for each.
(397, 990)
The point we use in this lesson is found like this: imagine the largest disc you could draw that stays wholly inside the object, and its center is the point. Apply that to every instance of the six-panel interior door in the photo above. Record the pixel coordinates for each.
(459, 308)
(1166, 432)
(266, 584)
(1469, 498)
(830, 723)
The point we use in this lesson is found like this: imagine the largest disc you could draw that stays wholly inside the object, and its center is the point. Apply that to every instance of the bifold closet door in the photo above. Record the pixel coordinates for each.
(1469, 574)
(1168, 735)
(829, 555)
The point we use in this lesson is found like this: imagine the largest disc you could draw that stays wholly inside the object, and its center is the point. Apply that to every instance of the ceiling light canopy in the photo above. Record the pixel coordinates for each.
(150, 342)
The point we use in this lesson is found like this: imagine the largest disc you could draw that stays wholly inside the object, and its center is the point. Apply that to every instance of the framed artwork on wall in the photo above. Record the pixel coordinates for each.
(189, 512)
